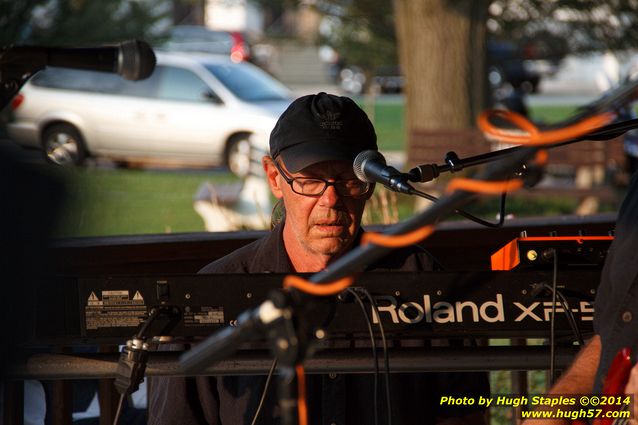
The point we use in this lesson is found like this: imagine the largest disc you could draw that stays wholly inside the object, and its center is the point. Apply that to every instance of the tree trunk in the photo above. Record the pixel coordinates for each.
(188, 12)
(442, 54)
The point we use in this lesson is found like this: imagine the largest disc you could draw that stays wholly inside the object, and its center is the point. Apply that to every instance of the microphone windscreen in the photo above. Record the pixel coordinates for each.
(136, 60)
(360, 160)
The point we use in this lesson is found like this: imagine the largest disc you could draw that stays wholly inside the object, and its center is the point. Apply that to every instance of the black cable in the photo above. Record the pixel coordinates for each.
(374, 352)
(265, 391)
(570, 315)
(118, 412)
(386, 359)
(467, 215)
(552, 334)
(132, 363)
(151, 317)
(572, 321)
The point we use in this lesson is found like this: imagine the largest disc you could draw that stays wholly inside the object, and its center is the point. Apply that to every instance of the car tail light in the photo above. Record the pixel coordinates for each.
(17, 101)
(240, 50)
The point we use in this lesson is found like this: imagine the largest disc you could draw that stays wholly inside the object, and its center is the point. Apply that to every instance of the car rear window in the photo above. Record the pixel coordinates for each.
(248, 82)
(74, 79)
(96, 82)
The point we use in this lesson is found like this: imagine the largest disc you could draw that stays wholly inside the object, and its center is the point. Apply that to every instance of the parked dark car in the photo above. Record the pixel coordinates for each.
(389, 79)
(510, 64)
(520, 68)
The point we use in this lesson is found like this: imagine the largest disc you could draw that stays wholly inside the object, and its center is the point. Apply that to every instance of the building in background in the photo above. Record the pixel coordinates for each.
(239, 15)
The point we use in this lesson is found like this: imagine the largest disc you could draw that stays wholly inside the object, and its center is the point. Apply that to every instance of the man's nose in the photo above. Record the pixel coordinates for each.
(330, 197)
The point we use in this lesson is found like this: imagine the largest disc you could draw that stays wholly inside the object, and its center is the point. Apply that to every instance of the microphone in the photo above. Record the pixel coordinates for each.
(133, 60)
(370, 166)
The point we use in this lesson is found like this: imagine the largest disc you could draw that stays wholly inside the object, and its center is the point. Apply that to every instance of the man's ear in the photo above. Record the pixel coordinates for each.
(371, 191)
(272, 174)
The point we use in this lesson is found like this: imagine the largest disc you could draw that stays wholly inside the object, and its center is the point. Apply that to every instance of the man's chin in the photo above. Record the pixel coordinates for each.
(332, 246)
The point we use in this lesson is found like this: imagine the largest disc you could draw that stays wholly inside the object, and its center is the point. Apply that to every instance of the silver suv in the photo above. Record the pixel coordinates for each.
(195, 110)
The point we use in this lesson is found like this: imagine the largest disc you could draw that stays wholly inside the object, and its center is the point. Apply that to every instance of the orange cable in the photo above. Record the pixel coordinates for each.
(583, 127)
(483, 186)
(505, 134)
(541, 157)
(323, 289)
(302, 408)
(396, 241)
(530, 134)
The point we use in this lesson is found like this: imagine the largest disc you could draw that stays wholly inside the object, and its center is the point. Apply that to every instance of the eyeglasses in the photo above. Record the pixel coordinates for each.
(313, 186)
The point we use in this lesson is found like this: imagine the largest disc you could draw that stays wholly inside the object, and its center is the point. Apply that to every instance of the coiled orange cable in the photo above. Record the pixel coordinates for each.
(483, 186)
(541, 157)
(487, 187)
(530, 134)
(323, 289)
(396, 241)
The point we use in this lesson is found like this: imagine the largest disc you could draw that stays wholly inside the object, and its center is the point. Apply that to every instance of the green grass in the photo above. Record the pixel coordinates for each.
(119, 202)
(551, 114)
(390, 125)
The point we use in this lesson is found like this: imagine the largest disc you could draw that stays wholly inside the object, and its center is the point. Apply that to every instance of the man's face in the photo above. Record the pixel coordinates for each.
(322, 226)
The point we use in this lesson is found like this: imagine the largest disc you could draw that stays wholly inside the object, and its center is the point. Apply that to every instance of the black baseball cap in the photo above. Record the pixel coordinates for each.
(321, 127)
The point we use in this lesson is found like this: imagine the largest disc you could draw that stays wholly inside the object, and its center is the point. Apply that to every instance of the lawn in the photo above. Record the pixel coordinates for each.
(106, 201)
(120, 202)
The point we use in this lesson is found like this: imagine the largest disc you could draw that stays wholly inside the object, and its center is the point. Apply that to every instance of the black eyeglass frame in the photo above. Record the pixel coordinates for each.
(290, 180)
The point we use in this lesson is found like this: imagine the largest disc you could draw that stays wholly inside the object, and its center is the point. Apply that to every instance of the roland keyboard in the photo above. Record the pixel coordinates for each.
(512, 304)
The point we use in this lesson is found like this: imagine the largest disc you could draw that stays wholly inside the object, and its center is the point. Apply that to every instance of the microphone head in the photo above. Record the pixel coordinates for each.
(136, 60)
(360, 161)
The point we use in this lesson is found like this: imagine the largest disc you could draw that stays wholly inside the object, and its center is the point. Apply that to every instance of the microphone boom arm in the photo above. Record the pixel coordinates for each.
(428, 172)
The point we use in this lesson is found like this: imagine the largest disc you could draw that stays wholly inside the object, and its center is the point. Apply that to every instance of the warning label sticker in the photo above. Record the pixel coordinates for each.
(114, 309)
(205, 316)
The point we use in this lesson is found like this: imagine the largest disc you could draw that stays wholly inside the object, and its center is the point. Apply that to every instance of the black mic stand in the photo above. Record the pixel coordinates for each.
(283, 319)
(428, 172)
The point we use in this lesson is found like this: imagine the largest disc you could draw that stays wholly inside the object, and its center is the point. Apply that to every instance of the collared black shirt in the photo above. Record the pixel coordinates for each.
(338, 399)
(616, 304)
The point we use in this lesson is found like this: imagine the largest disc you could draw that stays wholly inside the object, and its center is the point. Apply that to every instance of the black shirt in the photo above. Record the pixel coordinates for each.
(332, 399)
(616, 304)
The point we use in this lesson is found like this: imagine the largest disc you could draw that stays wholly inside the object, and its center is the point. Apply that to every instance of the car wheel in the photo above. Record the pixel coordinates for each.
(238, 153)
(63, 145)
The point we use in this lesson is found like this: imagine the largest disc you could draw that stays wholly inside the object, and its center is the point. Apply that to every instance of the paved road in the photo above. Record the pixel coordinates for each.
(560, 99)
